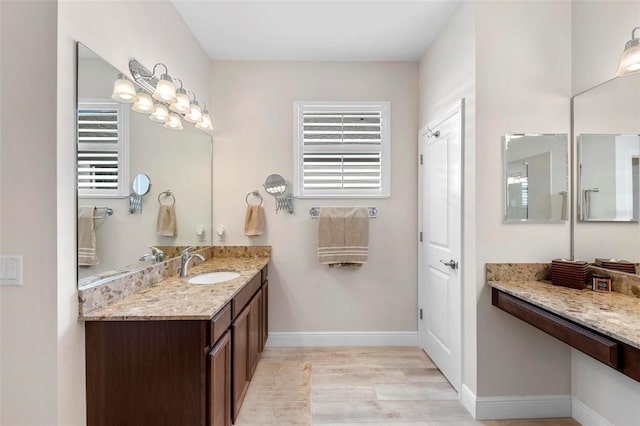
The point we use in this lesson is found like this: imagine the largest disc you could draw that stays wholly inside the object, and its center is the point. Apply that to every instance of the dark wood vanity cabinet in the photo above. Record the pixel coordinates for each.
(176, 372)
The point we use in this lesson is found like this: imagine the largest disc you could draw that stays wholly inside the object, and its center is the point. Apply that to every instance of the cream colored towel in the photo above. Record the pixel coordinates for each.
(167, 225)
(253, 221)
(343, 236)
(86, 237)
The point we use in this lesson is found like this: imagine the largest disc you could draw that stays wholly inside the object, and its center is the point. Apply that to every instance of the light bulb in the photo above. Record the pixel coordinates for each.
(195, 113)
(181, 104)
(174, 122)
(165, 89)
(160, 113)
(144, 103)
(123, 90)
(205, 124)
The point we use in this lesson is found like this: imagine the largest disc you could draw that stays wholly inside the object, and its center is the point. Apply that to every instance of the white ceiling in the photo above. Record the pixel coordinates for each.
(307, 30)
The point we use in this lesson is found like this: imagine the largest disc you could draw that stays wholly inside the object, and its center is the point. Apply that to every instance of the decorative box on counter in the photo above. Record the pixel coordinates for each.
(617, 265)
(570, 273)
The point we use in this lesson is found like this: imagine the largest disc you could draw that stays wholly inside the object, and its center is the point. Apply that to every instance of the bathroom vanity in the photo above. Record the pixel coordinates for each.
(177, 353)
(605, 326)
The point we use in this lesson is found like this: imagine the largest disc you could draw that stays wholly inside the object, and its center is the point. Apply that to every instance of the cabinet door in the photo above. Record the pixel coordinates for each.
(220, 382)
(255, 310)
(239, 371)
(264, 325)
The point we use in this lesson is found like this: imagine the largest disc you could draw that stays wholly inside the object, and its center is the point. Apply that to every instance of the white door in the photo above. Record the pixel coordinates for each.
(440, 295)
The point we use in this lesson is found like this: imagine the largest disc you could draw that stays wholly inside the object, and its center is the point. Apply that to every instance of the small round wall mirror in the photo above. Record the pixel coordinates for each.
(275, 185)
(141, 184)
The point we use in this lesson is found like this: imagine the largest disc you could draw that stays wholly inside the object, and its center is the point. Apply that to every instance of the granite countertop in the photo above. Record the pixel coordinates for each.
(612, 314)
(175, 299)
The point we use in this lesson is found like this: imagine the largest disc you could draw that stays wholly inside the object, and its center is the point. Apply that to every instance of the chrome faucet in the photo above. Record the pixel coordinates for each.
(185, 258)
(156, 254)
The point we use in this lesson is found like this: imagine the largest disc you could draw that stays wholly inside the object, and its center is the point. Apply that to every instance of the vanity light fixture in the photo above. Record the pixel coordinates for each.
(630, 60)
(206, 123)
(160, 113)
(123, 90)
(181, 105)
(174, 122)
(166, 96)
(195, 112)
(144, 103)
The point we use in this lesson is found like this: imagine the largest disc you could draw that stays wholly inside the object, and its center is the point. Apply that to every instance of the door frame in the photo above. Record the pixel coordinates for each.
(458, 107)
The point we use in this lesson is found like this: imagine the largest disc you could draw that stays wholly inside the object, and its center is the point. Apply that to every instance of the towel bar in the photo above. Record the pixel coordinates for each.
(108, 211)
(315, 212)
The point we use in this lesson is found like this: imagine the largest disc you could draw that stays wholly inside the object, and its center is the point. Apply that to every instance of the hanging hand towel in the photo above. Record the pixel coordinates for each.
(86, 237)
(253, 222)
(167, 225)
(343, 236)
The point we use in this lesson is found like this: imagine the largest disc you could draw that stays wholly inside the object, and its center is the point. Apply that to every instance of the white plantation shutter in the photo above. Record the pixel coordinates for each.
(342, 149)
(102, 161)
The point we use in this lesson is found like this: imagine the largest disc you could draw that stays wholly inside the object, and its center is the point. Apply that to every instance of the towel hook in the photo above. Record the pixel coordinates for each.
(255, 194)
(166, 194)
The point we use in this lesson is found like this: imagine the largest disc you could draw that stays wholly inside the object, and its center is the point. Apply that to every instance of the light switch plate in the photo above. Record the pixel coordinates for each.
(11, 271)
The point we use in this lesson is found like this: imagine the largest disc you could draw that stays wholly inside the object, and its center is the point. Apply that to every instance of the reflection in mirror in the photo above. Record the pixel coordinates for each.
(606, 122)
(608, 178)
(275, 185)
(180, 160)
(141, 184)
(535, 178)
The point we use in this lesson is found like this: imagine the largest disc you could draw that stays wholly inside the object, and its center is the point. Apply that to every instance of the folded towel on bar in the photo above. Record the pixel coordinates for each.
(167, 225)
(253, 221)
(343, 236)
(86, 237)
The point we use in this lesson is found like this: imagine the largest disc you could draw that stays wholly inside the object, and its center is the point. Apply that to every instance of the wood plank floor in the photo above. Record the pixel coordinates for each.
(390, 386)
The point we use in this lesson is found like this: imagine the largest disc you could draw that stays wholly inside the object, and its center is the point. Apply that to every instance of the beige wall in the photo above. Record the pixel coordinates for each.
(600, 29)
(447, 74)
(117, 31)
(523, 86)
(28, 212)
(253, 110)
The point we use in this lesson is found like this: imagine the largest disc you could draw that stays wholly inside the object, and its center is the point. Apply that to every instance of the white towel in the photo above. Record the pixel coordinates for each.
(86, 237)
(343, 236)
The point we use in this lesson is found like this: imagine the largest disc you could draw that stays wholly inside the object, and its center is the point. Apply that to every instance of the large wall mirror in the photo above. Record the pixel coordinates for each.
(117, 150)
(606, 125)
(535, 178)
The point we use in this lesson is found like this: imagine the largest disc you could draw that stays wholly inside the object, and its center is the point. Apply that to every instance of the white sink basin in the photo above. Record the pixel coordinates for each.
(213, 277)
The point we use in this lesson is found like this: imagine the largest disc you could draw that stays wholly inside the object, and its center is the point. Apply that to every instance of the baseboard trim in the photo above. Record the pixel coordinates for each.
(468, 399)
(515, 407)
(343, 338)
(585, 415)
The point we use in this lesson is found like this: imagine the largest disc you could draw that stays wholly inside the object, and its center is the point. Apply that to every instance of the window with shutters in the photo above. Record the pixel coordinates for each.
(103, 133)
(342, 149)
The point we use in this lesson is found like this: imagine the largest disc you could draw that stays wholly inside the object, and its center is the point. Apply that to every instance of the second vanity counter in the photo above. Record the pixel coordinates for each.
(173, 298)
(605, 326)
(612, 314)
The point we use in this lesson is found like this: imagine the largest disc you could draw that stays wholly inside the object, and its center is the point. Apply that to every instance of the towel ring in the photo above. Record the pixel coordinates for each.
(255, 194)
(166, 194)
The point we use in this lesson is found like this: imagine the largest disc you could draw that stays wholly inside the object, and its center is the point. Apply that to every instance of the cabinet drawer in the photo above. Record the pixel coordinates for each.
(220, 323)
(265, 272)
(581, 338)
(244, 296)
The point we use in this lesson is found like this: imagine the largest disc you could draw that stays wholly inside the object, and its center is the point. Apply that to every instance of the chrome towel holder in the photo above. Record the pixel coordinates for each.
(256, 194)
(166, 194)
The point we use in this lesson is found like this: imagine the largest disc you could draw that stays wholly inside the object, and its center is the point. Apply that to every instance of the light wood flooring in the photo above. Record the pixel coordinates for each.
(391, 386)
